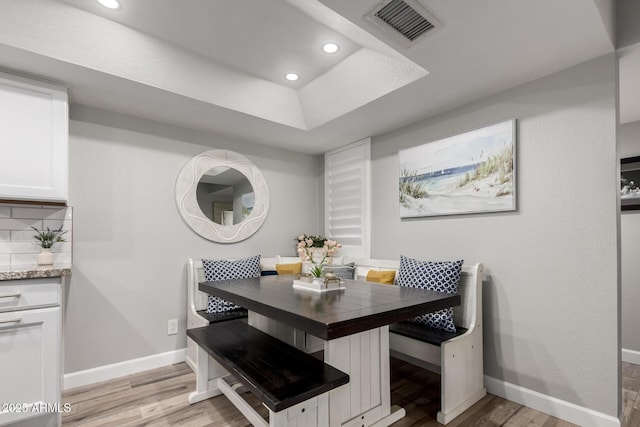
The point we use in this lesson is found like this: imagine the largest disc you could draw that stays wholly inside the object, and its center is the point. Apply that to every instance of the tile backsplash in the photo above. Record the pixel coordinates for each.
(18, 248)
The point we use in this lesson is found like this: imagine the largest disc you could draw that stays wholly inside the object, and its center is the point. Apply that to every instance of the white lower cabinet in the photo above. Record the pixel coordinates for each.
(30, 354)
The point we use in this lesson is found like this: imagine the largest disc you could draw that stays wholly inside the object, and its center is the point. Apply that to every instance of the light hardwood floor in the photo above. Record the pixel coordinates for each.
(630, 395)
(159, 397)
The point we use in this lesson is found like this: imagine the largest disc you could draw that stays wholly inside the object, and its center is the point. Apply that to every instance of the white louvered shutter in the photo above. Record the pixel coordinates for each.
(347, 197)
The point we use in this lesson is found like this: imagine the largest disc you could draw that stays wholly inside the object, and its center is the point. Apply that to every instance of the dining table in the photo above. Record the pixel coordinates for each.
(352, 326)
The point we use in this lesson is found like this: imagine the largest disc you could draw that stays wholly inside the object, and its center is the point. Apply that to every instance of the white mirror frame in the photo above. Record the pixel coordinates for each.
(186, 186)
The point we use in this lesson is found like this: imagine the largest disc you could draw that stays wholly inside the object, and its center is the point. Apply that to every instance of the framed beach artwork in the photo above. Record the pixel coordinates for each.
(473, 172)
(630, 183)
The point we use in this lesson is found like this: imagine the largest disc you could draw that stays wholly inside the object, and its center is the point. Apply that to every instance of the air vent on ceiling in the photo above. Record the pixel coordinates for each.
(408, 18)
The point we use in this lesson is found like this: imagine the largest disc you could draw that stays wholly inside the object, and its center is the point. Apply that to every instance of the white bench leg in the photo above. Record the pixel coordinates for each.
(231, 391)
(462, 380)
(462, 406)
(206, 379)
(311, 413)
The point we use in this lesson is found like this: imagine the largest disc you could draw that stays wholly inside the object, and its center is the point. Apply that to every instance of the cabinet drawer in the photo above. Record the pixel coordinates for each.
(29, 294)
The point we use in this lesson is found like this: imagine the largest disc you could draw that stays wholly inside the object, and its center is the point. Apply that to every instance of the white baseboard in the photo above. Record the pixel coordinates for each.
(128, 367)
(631, 356)
(550, 405)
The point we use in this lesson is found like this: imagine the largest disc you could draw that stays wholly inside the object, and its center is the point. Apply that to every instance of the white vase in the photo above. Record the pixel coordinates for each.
(45, 257)
(318, 281)
(316, 255)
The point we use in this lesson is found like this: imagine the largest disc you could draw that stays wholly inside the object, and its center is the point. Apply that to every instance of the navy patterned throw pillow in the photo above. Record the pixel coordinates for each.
(441, 276)
(227, 270)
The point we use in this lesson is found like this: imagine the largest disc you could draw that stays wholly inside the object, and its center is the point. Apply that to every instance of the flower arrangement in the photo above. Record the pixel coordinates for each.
(46, 239)
(316, 241)
(309, 245)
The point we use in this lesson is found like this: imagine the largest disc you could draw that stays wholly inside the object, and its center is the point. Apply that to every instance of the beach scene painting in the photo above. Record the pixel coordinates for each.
(473, 172)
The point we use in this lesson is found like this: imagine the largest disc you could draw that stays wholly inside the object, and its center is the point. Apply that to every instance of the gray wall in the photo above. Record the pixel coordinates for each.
(551, 301)
(130, 243)
(627, 15)
(629, 140)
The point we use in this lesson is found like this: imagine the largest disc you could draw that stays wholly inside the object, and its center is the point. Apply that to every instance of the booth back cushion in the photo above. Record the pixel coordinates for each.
(227, 270)
(384, 276)
(295, 268)
(344, 271)
(441, 276)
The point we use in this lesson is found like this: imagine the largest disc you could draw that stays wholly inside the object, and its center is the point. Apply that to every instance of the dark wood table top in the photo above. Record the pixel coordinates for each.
(359, 307)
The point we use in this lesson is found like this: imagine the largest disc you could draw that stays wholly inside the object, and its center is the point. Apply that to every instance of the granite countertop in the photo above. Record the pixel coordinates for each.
(35, 272)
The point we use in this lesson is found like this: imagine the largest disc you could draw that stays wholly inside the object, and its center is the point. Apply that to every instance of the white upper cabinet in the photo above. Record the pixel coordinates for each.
(34, 140)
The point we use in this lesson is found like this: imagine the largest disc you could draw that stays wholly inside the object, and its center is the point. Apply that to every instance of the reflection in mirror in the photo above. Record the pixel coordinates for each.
(224, 195)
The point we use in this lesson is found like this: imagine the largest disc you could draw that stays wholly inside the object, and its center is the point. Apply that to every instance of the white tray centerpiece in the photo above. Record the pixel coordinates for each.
(310, 248)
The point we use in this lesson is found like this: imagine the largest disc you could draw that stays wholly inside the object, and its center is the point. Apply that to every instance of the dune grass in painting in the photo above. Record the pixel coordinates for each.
(411, 187)
(499, 168)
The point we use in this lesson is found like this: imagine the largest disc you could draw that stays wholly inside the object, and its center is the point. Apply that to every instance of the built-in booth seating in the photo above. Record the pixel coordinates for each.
(457, 356)
(197, 315)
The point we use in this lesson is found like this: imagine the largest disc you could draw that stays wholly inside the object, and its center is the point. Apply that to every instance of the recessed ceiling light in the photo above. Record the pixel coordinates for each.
(292, 77)
(330, 47)
(110, 4)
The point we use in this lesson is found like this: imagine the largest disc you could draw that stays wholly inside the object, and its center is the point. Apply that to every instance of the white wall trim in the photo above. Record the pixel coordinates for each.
(631, 356)
(550, 405)
(120, 369)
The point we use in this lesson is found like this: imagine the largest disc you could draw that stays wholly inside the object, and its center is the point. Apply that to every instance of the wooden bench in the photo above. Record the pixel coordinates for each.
(292, 384)
(456, 356)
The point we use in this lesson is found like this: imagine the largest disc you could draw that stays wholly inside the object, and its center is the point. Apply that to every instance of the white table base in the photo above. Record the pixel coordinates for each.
(366, 399)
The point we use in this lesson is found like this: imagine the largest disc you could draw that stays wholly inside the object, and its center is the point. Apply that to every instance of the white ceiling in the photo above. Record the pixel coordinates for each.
(217, 65)
(266, 38)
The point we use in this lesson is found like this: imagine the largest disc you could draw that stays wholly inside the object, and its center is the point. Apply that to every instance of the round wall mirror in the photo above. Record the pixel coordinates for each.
(222, 196)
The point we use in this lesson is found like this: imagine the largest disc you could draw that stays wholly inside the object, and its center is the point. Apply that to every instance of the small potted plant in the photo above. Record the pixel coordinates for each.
(317, 271)
(46, 239)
